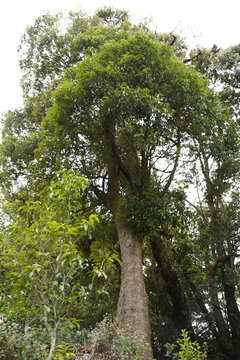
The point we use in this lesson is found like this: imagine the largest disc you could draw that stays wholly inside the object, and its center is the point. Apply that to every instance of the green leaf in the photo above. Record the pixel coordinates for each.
(90, 286)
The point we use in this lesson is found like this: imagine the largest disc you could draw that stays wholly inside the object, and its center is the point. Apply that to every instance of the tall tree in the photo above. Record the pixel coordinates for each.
(123, 116)
(122, 108)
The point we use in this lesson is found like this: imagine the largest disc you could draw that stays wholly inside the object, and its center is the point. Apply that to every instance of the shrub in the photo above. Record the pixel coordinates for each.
(108, 342)
(185, 349)
(18, 345)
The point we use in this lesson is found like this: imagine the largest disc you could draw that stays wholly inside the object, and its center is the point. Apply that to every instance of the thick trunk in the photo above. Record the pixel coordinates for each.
(133, 302)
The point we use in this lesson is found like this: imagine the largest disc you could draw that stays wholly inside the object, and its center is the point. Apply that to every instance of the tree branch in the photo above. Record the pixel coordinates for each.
(170, 179)
(192, 58)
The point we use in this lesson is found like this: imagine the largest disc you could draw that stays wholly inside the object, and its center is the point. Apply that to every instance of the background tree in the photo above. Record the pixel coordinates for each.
(222, 68)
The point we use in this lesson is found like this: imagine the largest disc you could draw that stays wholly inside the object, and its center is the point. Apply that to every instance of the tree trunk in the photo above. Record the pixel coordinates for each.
(224, 338)
(133, 301)
(181, 315)
(232, 308)
(53, 338)
(214, 319)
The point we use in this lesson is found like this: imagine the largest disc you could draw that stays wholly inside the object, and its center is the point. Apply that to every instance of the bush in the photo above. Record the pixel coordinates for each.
(108, 342)
(17, 345)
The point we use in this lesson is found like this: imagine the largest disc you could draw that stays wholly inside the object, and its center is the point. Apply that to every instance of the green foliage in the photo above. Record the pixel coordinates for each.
(185, 349)
(63, 352)
(137, 79)
(222, 68)
(41, 249)
(48, 47)
(40, 255)
(46, 50)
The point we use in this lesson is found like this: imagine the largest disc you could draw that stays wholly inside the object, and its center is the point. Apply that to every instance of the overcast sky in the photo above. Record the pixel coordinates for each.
(204, 22)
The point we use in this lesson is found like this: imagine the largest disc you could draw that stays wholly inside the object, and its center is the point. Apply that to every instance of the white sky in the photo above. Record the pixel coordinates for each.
(203, 22)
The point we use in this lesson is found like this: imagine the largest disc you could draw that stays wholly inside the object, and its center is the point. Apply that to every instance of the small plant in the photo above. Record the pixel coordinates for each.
(186, 349)
(63, 352)
(171, 351)
(127, 347)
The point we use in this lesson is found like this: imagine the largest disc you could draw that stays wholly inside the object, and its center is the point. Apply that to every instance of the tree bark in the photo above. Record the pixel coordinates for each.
(133, 301)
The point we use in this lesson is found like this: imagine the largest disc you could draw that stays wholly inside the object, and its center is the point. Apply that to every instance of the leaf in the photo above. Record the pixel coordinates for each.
(90, 286)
